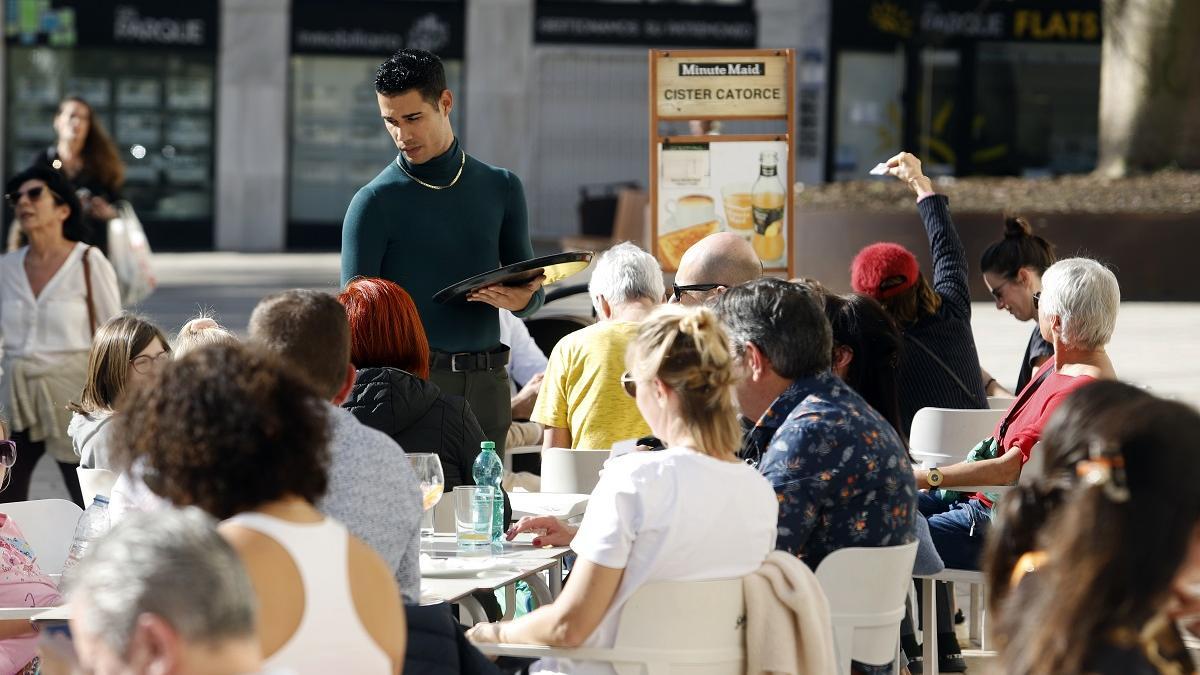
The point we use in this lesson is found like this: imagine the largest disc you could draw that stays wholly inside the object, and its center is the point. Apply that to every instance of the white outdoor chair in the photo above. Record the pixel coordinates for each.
(1000, 402)
(947, 434)
(49, 528)
(509, 453)
(572, 471)
(95, 482)
(977, 613)
(697, 627)
(866, 588)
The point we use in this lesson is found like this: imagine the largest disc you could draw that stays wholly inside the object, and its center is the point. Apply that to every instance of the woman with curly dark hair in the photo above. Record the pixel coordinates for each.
(231, 431)
(1091, 565)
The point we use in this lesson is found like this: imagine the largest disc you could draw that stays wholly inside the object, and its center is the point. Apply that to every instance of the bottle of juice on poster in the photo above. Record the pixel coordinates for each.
(767, 196)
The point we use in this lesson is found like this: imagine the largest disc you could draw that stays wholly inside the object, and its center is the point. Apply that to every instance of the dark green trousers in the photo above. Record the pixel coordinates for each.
(488, 394)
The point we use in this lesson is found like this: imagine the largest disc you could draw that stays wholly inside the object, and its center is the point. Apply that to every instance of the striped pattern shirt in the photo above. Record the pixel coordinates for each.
(923, 381)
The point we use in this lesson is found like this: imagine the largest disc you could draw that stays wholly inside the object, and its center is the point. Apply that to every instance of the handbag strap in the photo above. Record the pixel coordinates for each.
(1020, 403)
(936, 359)
(87, 283)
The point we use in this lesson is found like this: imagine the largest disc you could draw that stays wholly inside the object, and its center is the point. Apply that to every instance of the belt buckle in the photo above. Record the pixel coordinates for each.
(454, 362)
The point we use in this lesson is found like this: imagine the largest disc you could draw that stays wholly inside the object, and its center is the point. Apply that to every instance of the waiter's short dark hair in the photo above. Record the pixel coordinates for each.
(412, 69)
(310, 332)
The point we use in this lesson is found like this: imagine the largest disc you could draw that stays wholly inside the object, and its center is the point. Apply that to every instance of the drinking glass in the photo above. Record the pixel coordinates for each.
(473, 518)
(428, 468)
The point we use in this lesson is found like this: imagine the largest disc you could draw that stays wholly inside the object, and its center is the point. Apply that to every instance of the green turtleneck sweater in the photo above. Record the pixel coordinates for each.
(425, 240)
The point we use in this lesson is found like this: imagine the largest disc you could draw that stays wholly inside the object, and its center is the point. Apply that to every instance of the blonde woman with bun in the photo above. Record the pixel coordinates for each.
(202, 331)
(691, 512)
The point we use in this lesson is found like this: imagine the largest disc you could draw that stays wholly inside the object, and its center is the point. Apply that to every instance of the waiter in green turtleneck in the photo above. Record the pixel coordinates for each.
(433, 217)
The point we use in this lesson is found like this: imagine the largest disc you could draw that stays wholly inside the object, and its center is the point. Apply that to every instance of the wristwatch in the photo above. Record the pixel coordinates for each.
(934, 477)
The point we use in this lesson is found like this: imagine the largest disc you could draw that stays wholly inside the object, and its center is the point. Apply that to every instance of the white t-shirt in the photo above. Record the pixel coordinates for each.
(671, 515)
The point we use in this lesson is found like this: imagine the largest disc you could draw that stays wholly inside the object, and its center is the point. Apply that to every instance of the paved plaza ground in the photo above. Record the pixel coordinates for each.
(1156, 344)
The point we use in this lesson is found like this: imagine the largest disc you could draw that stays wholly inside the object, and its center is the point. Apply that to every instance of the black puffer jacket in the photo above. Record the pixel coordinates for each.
(418, 416)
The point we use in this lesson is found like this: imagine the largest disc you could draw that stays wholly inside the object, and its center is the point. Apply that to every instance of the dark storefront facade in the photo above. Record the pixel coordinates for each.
(148, 69)
(337, 141)
(994, 88)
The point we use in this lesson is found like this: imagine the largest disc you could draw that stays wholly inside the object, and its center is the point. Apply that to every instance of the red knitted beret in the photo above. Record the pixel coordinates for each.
(881, 261)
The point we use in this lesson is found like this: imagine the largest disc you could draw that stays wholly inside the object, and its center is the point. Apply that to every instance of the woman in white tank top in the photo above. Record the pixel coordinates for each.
(228, 429)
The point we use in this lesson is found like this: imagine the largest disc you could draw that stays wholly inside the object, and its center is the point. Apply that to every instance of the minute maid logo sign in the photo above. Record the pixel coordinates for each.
(734, 69)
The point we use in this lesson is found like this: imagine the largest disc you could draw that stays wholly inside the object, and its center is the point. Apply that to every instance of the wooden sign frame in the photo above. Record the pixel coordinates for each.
(787, 171)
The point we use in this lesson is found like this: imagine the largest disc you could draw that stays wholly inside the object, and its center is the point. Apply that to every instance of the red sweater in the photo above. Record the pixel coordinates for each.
(1026, 428)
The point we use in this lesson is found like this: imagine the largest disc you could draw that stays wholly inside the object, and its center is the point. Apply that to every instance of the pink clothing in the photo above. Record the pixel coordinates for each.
(22, 584)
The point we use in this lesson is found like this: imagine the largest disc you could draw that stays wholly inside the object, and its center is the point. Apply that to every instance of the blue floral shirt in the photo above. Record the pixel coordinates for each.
(840, 471)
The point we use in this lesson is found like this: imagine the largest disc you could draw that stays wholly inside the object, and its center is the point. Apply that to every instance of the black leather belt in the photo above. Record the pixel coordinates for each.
(469, 361)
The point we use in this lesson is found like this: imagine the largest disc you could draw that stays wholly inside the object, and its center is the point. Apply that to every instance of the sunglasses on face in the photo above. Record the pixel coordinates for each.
(145, 364)
(629, 384)
(999, 289)
(677, 291)
(34, 193)
(8, 452)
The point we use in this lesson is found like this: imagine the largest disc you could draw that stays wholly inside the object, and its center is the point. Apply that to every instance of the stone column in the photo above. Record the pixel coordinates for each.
(804, 26)
(252, 125)
(499, 96)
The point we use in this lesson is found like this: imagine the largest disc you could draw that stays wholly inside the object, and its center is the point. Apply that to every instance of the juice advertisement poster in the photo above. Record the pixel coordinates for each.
(732, 186)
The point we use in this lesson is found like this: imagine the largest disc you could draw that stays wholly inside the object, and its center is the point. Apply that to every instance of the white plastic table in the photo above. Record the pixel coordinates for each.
(526, 564)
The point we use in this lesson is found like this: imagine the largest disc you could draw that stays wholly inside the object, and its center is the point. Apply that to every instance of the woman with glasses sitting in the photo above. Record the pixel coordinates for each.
(1012, 269)
(22, 582)
(691, 512)
(55, 293)
(128, 351)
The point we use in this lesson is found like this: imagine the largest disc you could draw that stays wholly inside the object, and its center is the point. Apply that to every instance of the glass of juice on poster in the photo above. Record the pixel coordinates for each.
(767, 199)
(738, 211)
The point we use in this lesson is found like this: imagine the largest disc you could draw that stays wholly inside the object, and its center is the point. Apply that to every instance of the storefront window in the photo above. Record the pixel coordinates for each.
(337, 141)
(1037, 108)
(869, 112)
(149, 74)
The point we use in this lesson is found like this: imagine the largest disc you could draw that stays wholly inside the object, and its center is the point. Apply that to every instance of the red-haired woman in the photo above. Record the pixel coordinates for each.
(392, 392)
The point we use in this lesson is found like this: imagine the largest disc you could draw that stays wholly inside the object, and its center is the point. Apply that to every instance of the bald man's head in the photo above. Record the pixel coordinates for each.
(723, 258)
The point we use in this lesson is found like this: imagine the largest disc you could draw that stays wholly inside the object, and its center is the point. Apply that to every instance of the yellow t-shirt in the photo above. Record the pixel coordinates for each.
(582, 389)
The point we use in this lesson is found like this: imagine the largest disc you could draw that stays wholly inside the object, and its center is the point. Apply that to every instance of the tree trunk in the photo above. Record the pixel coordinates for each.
(1150, 86)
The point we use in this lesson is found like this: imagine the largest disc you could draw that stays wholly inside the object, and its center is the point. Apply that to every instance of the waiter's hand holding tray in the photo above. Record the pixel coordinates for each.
(549, 269)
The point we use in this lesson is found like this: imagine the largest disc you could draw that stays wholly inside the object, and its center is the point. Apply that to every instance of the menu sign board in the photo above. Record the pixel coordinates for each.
(687, 87)
(738, 183)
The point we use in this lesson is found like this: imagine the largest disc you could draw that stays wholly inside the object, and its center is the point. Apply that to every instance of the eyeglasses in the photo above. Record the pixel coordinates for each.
(999, 287)
(629, 384)
(677, 291)
(1037, 299)
(34, 193)
(8, 452)
(146, 364)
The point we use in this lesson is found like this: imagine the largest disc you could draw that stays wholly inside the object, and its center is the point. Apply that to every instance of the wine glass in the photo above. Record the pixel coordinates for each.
(428, 468)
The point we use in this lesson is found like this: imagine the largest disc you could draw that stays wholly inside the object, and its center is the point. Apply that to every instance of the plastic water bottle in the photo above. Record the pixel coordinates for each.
(489, 470)
(92, 525)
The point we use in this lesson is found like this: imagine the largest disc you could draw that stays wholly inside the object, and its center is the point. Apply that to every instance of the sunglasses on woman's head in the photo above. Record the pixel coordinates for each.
(34, 193)
(8, 452)
(629, 384)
